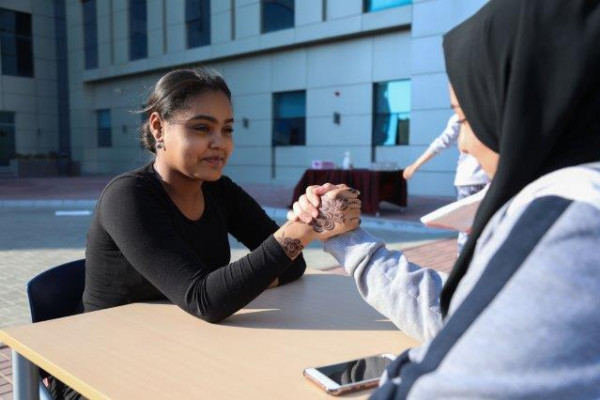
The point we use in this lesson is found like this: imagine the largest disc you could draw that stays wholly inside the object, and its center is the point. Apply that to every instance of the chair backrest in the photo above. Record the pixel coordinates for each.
(57, 292)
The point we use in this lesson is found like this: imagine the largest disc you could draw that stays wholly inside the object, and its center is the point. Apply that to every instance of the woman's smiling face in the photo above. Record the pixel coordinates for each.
(197, 142)
(468, 142)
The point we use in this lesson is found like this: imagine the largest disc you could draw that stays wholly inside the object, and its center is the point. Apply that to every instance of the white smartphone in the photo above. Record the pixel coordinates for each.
(349, 376)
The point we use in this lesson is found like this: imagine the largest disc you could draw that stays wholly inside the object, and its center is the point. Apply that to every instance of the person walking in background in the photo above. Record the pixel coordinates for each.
(469, 179)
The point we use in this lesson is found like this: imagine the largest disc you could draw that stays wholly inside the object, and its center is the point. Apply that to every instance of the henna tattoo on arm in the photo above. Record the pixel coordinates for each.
(330, 213)
(292, 247)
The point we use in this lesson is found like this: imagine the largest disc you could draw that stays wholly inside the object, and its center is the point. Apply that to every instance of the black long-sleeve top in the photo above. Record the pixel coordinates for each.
(141, 247)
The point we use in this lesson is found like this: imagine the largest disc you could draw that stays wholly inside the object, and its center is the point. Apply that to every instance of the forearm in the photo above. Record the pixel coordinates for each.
(293, 237)
(426, 156)
(226, 290)
(294, 271)
(402, 291)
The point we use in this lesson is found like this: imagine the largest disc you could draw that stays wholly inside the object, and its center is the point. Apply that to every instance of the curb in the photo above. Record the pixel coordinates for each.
(273, 212)
(49, 203)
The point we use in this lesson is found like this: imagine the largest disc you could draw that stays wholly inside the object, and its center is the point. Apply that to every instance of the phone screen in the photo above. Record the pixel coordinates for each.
(354, 371)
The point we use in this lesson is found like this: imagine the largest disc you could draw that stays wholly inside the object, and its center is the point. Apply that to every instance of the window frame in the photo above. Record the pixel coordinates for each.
(90, 34)
(14, 44)
(104, 133)
(398, 114)
(138, 34)
(263, 16)
(203, 18)
(292, 120)
(8, 125)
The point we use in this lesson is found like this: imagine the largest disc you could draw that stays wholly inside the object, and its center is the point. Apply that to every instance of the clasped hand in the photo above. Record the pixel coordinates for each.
(329, 209)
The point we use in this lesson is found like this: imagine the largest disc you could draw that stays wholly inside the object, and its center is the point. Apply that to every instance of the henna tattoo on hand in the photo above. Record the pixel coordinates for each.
(330, 213)
(292, 247)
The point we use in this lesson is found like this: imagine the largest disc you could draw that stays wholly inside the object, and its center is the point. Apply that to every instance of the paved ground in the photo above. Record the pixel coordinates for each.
(269, 195)
(33, 237)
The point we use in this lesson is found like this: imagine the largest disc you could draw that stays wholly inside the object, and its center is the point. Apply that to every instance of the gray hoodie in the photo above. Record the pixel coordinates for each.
(540, 335)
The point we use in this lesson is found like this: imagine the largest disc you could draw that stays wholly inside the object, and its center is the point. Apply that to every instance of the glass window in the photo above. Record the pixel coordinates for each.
(90, 34)
(391, 119)
(197, 20)
(289, 122)
(104, 128)
(7, 137)
(138, 30)
(16, 43)
(376, 5)
(277, 15)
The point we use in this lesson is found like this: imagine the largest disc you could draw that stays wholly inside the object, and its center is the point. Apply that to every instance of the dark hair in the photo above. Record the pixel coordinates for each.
(172, 93)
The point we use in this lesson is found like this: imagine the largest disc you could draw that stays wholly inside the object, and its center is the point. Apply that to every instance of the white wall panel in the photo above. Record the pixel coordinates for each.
(251, 156)
(218, 6)
(430, 92)
(343, 8)
(247, 20)
(289, 70)
(248, 173)
(426, 125)
(258, 133)
(329, 64)
(354, 130)
(19, 85)
(344, 99)
(392, 55)
(277, 38)
(176, 39)
(428, 55)
(23, 5)
(308, 12)
(330, 28)
(249, 76)
(386, 18)
(220, 27)
(253, 106)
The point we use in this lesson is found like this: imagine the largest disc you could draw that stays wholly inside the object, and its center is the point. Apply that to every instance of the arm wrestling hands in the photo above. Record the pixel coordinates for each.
(329, 209)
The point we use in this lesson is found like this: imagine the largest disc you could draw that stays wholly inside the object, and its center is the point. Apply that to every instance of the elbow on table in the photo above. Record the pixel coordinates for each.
(294, 272)
(211, 316)
(193, 306)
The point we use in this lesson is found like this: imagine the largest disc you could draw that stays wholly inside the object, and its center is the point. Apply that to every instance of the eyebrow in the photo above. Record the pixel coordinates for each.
(209, 118)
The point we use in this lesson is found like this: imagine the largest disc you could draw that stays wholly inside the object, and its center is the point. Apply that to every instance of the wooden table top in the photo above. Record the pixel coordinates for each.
(156, 350)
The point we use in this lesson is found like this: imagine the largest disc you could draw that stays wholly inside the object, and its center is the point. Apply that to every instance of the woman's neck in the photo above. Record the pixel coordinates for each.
(177, 185)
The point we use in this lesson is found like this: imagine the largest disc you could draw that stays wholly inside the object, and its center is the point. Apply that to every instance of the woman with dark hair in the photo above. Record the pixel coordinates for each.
(518, 315)
(162, 230)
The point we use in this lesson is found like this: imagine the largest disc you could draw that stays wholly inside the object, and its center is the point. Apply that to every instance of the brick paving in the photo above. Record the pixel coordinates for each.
(5, 373)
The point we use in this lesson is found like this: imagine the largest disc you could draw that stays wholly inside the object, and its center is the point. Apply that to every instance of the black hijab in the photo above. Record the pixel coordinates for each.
(527, 76)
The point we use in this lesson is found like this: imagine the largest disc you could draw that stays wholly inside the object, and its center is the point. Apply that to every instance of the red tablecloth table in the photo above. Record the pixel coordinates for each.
(374, 186)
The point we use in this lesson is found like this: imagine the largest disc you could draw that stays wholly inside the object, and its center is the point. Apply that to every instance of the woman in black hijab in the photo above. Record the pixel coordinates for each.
(527, 75)
(520, 308)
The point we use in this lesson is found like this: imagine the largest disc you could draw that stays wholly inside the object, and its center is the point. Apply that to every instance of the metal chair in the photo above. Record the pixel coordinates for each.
(56, 293)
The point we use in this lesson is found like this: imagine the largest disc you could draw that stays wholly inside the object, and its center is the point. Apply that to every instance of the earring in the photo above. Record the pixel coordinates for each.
(159, 145)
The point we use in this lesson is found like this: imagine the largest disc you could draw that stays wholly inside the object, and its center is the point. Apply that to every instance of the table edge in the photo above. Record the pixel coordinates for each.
(55, 370)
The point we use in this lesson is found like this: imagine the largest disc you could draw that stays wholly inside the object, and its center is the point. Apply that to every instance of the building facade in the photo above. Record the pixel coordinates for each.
(311, 79)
